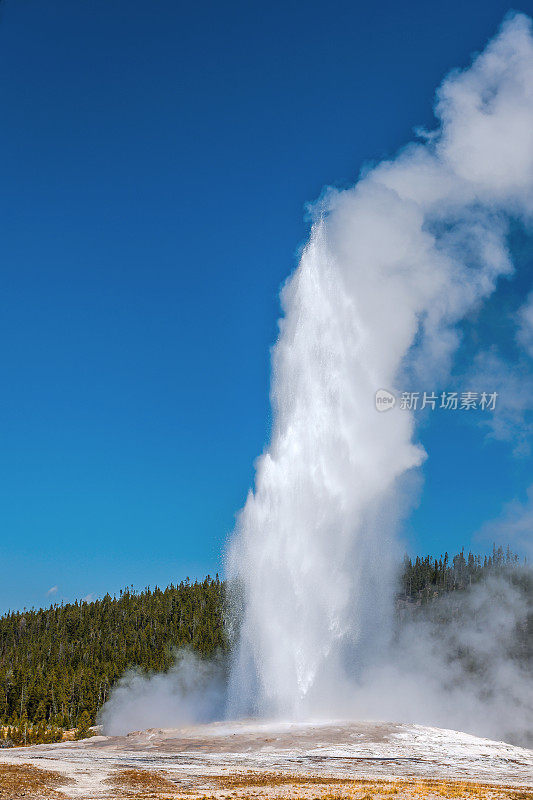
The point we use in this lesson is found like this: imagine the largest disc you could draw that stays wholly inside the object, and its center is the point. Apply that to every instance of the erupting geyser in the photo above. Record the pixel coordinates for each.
(391, 268)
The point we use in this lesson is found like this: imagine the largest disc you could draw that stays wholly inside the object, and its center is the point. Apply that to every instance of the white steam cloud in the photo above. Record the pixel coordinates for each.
(391, 268)
(192, 691)
(461, 662)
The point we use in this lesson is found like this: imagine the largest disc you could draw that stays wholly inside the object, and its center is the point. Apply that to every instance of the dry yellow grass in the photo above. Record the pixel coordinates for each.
(142, 783)
(29, 782)
(264, 784)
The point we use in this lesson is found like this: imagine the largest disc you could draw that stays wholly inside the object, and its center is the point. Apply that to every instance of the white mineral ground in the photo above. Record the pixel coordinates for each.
(190, 755)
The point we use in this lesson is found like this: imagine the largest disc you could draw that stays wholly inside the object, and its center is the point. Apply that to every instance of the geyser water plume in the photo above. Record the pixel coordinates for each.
(391, 268)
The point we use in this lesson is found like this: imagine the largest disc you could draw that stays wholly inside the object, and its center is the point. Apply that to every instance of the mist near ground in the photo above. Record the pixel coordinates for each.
(192, 691)
(463, 661)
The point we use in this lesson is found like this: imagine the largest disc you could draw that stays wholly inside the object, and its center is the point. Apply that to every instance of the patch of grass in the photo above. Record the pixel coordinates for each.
(248, 779)
(25, 780)
(143, 783)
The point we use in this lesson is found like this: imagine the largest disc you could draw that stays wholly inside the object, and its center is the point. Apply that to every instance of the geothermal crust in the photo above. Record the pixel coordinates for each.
(191, 756)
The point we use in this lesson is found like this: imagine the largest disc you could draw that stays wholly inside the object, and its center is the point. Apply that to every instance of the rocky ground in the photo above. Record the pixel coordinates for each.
(247, 759)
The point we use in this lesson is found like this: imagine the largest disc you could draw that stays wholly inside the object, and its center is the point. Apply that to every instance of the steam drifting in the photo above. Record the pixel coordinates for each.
(192, 691)
(391, 268)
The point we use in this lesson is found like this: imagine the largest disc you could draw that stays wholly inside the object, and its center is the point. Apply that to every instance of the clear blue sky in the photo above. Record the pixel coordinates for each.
(155, 163)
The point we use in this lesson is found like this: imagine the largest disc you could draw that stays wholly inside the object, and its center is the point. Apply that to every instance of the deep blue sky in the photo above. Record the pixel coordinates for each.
(155, 163)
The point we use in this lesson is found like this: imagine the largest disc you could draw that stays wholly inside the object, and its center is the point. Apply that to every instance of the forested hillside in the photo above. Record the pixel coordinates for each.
(57, 665)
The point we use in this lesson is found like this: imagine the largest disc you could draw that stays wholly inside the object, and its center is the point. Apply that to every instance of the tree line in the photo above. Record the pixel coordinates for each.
(425, 578)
